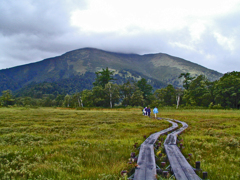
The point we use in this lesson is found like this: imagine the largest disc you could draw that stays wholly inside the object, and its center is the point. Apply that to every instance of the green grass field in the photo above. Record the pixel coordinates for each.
(213, 138)
(51, 143)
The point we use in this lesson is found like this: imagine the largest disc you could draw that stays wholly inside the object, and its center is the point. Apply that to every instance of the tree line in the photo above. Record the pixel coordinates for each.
(196, 92)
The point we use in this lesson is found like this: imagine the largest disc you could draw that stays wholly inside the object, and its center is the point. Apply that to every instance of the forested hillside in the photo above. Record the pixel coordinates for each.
(74, 71)
(198, 92)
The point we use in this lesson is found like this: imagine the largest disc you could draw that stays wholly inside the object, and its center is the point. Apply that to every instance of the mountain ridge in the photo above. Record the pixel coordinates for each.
(159, 69)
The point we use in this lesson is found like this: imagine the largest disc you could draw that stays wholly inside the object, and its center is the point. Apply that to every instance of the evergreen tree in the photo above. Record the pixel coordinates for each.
(103, 77)
(187, 79)
(144, 87)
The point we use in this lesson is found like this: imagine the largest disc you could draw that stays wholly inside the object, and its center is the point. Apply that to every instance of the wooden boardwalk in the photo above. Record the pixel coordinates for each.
(180, 167)
(146, 169)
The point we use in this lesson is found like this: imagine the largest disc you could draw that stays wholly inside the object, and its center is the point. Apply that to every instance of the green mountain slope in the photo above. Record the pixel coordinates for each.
(159, 69)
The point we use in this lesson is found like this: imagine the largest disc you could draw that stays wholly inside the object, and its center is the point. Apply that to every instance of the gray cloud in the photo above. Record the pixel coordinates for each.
(34, 30)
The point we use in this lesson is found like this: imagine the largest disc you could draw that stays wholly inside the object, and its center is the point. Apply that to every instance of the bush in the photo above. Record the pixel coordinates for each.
(212, 106)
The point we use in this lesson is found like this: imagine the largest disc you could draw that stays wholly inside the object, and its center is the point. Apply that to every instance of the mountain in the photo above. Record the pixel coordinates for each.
(76, 69)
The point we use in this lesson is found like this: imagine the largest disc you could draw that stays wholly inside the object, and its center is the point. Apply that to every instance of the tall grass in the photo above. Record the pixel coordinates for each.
(48, 143)
(213, 138)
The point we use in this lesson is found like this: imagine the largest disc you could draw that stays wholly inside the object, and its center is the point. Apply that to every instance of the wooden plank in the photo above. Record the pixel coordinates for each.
(146, 169)
(146, 164)
(179, 165)
(187, 168)
(181, 168)
(172, 138)
(175, 165)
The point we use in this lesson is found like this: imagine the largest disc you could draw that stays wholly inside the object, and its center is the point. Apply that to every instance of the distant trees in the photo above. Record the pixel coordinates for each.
(6, 98)
(224, 92)
(165, 96)
(198, 92)
(107, 94)
(137, 98)
(126, 91)
(227, 90)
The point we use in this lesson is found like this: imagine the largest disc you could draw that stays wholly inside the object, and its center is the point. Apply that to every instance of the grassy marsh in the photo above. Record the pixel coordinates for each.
(213, 138)
(50, 143)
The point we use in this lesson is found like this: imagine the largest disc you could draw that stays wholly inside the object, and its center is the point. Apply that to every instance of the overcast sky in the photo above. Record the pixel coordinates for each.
(206, 32)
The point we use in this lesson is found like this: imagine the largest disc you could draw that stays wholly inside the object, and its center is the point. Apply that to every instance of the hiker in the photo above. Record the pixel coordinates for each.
(144, 112)
(148, 111)
(155, 111)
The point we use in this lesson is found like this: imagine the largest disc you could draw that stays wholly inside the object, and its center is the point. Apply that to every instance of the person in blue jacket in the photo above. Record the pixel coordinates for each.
(148, 111)
(155, 111)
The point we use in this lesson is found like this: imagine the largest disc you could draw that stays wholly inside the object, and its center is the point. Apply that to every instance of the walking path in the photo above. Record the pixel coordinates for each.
(146, 169)
(180, 167)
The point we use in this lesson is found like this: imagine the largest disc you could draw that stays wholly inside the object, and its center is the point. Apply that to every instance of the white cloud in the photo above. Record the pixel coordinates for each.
(197, 29)
(182, 46)
(152, 15)
(121, 16)
(225, 42)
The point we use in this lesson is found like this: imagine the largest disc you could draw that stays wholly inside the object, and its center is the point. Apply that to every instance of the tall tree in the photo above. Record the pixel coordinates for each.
(67, 99)
(199, 92)
(187, 79)
(179, 93)
(59, 100)
(144, 87)
(137, 98)
(170, 95)
(103, 77)
(6, 98)
(87, 98)
(165, 96)
(77, 100)
(98, 96)
(159, 97)
(112, 94)
(127, 89)
(227, 90)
